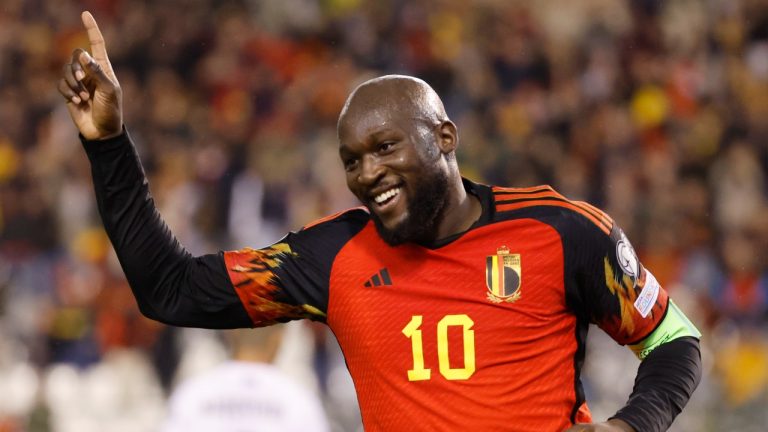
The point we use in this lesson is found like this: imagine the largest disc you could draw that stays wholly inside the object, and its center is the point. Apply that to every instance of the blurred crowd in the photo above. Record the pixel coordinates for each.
(653, 110)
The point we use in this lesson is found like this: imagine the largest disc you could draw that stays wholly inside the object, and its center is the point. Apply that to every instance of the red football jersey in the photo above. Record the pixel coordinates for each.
(482, 331)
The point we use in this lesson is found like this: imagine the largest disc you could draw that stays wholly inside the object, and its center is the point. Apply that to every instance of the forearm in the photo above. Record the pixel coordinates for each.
(665, 382)
(169, 284)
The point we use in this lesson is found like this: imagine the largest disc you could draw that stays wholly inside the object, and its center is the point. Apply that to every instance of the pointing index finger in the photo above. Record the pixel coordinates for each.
(98, 47)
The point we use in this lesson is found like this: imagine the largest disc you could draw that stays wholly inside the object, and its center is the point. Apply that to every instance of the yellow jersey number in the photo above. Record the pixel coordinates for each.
(413, 332)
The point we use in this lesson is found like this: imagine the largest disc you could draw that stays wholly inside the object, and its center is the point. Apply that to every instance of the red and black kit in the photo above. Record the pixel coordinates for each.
(481, 331)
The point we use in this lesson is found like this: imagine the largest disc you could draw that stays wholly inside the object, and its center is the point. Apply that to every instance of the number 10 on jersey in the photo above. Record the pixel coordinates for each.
(413, 332)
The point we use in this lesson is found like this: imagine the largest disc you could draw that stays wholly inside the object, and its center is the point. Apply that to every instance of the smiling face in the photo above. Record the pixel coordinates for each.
(396, 157)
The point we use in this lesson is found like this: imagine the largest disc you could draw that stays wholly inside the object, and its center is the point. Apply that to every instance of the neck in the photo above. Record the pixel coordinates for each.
(254, 355)
(461, 212)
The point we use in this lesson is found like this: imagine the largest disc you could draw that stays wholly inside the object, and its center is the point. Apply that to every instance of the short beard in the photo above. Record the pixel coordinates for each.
(425, 211)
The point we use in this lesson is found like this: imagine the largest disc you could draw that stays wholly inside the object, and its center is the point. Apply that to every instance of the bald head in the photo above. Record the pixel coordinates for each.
(389, 94)
(398, 148)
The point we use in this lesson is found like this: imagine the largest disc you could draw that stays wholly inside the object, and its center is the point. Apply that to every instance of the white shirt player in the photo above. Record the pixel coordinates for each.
(241, 396)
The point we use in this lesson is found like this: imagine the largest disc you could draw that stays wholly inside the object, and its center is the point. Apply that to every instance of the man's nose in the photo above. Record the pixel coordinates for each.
(371, 170)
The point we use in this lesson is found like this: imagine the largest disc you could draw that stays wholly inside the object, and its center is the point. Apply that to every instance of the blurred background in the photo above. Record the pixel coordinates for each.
(654, 111)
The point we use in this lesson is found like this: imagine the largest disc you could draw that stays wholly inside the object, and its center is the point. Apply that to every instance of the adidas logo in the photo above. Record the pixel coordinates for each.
(379, 279)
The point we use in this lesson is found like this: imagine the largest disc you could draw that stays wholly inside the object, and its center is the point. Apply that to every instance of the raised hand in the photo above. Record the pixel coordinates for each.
(89, 85)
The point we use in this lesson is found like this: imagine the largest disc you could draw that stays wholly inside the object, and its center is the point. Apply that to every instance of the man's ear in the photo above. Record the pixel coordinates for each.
(447, 137)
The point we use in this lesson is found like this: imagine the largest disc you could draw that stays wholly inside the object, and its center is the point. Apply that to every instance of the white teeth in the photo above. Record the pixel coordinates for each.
(386, 195)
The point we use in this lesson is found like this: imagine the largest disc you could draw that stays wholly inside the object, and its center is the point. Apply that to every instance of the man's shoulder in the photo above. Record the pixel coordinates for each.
(544, 202)
(354, 216)
(329, 234)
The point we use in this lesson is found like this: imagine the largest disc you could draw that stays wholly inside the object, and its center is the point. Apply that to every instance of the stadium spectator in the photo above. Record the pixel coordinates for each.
(246, 393)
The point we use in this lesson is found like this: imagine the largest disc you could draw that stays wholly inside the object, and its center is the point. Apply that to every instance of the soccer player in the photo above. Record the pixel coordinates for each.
(458, 306)
(246, 394)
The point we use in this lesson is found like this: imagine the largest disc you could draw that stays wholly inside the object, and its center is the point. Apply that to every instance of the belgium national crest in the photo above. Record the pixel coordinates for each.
(502, 276)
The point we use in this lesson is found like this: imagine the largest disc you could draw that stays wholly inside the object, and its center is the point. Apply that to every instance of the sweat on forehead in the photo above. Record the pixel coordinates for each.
(396, 93)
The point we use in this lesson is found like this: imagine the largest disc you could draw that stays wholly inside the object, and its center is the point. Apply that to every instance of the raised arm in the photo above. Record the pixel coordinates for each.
(170, 285)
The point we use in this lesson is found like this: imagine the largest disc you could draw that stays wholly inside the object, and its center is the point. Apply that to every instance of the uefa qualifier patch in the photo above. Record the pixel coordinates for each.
(503, 276)
(627, 258)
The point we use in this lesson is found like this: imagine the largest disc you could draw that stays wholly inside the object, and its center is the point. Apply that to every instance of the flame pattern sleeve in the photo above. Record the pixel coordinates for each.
(614, 290)
(255, 277)
(290, 279)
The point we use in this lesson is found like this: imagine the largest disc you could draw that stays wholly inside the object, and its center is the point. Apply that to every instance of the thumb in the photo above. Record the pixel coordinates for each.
(94, 70)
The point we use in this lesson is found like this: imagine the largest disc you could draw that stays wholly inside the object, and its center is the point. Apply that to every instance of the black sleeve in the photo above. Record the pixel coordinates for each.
(611, 288)
(170, 285)
(664, 383)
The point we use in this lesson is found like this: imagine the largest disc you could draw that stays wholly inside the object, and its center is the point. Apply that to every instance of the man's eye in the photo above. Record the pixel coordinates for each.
(350, 164)
(386, 146)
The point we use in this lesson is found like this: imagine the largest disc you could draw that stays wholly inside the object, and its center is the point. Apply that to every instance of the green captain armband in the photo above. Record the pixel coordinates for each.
(674, 325)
